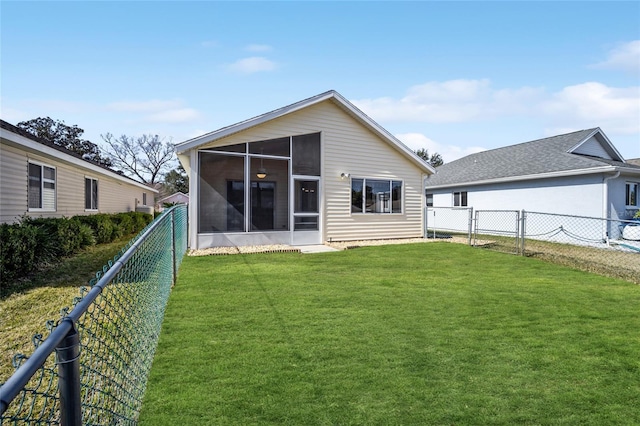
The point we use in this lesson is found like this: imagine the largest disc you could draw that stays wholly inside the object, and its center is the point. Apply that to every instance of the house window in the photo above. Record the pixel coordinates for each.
(144, 198)
(90, 194)
(42, 187)
(631, 194)
(429, 200)
(376, 196)
(460, 199)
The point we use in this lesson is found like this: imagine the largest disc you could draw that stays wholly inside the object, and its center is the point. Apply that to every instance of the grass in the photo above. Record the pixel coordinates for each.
(412, 334)
(27, 304)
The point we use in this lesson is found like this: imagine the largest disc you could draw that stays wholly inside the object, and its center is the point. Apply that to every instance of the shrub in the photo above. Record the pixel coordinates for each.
(18, 249)
(32, 242)
(141, 220)
(101, 225)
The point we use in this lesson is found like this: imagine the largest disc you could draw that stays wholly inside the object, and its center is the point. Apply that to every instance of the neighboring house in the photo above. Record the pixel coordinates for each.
(177, 198)
(579, 173)
(40, 179)
(314, 171)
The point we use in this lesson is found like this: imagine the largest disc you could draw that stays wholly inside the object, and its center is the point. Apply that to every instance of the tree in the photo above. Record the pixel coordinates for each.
(146, 158)
(435, 160)
(60, 134)
(176, 180)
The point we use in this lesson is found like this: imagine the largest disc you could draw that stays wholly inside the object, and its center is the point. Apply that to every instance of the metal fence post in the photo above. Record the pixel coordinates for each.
(522, 231)
(470, 223)
(173, 246)
(68, 360)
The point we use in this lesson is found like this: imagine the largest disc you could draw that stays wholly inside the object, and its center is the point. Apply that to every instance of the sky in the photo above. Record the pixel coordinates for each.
(451, 77)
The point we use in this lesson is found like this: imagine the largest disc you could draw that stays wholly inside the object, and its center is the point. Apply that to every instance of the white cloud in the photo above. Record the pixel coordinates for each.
(578, 106)
(451, 101)
(179, 115)
(625, 57)
(152, 105)
(415, 141)
(594, 104)
(258, 48)
(252, 65)
(157, 110)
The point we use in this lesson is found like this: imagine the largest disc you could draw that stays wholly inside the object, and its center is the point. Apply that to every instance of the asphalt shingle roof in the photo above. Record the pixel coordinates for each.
(546, 155)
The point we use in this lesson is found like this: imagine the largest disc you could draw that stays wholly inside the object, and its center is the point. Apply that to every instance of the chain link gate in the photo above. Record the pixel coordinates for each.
(104, 345)
(501, 227)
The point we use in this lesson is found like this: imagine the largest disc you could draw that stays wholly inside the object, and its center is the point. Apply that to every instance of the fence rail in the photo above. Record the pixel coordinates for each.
(93, 367)
(606, 246)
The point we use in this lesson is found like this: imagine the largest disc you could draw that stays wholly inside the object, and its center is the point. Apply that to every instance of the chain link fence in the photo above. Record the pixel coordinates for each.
(93, 366)
(605, 246)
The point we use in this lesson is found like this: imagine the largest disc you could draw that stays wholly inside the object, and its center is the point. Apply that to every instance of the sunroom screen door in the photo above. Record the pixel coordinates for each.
(306, 212)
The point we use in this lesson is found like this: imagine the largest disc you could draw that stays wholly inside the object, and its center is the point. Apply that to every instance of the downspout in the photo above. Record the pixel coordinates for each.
(605, 204)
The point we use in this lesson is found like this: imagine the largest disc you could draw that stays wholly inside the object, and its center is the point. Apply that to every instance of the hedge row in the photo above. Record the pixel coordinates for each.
(33, 242)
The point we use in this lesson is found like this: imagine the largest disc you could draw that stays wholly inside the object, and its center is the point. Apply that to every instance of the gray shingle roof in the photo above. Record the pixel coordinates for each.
(540, 156)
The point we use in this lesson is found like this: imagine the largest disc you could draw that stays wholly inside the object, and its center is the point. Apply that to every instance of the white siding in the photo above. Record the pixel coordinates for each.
(593, 148)
(578, 195)
(113, 195)
(348, 147)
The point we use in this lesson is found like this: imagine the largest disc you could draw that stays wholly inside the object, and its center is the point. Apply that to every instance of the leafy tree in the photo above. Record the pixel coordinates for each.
(146, 158)
(435, 159)
(69, 137)
(176, 180)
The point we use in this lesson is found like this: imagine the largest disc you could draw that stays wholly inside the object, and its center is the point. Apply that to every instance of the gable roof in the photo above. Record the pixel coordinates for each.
(26, 140)
(330, 95)
(562, 155)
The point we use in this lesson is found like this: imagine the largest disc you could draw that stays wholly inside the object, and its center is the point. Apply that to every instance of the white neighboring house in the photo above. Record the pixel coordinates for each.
(40, 179)
(579, 173)
(176, 198)
(314, 171)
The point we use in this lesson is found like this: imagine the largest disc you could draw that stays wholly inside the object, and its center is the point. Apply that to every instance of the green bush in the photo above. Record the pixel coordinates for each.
(102, 227)
(18, 249)
(36, 241)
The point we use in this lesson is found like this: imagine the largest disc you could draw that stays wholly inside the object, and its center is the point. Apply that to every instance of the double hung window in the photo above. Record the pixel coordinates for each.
(42, 187)
(460, 199)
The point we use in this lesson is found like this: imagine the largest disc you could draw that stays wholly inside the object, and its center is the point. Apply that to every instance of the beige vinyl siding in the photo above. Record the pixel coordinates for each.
(113, 195)
(13, 183)
(349, 147)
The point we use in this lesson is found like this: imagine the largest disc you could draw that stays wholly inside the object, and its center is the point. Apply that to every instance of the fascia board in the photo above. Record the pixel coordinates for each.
(37, 147)
(549, 175)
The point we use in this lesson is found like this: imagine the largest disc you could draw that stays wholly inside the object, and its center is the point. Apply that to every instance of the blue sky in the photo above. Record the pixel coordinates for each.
(453, 77)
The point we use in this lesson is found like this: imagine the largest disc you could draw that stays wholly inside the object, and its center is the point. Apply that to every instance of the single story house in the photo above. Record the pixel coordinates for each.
(314, 171)
(41, 179)
(176, 198)
(579, 173)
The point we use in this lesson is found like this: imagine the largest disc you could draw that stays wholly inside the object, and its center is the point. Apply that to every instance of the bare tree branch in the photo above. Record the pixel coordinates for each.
(146, 158)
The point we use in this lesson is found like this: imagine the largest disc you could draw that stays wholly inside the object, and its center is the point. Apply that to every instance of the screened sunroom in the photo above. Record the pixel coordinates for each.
(260, 192)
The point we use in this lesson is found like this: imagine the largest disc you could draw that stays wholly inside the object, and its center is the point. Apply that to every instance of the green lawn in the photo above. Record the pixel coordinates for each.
(431, 333)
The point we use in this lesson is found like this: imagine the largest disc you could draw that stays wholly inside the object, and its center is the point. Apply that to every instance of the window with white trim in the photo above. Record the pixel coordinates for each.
(90, 194)
(144, 198)
(41, 192)
(460, 199)
(429, 200)
(631, 194)
(376, 196)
